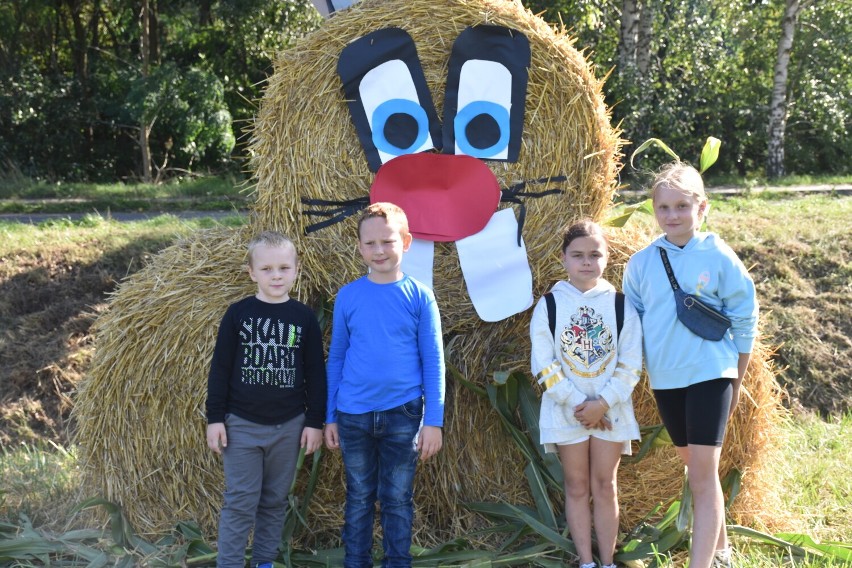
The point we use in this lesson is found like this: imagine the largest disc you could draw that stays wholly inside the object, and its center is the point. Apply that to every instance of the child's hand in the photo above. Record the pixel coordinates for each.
(311, 439)
(592, 414)
(429, 442)
(217, 438)
(332, 441)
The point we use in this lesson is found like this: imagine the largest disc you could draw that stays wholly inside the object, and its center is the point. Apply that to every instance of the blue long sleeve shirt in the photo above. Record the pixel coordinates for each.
(386, 349)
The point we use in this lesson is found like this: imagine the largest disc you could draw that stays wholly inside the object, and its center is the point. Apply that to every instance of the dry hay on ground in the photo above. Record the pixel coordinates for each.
(140, 414)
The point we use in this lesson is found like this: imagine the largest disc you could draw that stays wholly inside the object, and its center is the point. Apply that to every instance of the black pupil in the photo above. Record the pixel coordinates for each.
(401, 130)
(482, 131)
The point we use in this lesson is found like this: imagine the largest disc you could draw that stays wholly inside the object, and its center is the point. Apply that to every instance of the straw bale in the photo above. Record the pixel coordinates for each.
(139, 415)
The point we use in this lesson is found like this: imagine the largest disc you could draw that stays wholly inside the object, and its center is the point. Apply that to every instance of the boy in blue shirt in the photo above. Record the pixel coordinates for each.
(385, 388)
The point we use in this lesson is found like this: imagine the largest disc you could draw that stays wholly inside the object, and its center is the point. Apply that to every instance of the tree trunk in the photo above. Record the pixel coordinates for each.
(643, 43)
(144, 127)
(778, 103)
(627, 35)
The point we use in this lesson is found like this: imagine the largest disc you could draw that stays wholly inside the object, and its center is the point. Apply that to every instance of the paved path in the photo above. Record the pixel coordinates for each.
(35, 218)
(841, 189)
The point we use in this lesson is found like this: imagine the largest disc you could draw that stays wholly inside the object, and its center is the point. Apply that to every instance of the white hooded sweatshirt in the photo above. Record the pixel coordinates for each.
(592, 361)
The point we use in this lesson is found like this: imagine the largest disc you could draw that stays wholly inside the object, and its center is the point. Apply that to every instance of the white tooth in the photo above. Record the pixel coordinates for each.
(496, 270)
(418, 261)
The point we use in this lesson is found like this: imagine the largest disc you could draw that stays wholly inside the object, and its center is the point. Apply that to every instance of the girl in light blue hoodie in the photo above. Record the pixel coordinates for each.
(696, 381)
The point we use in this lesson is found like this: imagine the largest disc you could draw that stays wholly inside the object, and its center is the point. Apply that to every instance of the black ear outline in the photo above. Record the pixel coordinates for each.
(500, 45)
(363, 56)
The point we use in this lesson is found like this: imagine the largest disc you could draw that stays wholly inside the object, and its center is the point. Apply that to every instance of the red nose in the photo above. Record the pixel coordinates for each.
(445, 197)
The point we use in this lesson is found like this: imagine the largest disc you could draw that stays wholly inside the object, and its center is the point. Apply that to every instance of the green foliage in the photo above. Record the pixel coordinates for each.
(73, 95)
(711, 73)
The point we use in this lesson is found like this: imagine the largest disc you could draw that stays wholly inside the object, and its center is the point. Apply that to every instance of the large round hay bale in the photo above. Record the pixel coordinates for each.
(140, 422)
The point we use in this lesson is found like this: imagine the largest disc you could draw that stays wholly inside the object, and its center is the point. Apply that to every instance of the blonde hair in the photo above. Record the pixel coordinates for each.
(269, 239)
(680, 177)
(391, 213)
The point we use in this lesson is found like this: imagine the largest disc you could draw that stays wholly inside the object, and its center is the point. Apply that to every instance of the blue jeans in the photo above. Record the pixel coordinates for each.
(380, 457)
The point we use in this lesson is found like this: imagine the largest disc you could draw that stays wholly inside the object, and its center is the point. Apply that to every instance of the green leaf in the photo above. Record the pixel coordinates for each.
(732, 485)
(540, 496)
(653, 142)
(473, 387)
(684, 514)
(766, 539)
(545, 532)
(709, 154)
(834, 550)
(646, 206)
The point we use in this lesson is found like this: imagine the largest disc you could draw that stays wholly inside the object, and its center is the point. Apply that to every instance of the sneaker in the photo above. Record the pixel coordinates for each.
(608, 565)
(264, 565)
(589, 565)
(722, 558)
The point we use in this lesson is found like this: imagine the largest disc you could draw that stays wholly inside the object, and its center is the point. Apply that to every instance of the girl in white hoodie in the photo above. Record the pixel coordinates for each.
(589, 368)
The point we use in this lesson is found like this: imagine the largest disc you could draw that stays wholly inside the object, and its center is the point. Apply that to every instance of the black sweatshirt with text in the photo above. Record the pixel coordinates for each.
(268, 365)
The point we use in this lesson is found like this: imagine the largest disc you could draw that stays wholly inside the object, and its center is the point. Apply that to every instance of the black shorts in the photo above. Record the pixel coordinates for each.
(697, 414)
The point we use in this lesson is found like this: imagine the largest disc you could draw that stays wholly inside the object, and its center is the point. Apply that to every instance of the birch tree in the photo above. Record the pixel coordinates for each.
(778, 103)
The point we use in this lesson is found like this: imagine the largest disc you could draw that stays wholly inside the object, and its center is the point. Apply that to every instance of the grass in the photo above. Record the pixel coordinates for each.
(204, 194)
(760, 180)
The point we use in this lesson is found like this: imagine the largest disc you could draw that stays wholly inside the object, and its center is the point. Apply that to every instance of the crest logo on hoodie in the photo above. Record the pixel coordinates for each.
(587, 343)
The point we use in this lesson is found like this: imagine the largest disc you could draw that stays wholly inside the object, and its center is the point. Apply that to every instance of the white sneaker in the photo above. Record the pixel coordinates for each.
(722, 558)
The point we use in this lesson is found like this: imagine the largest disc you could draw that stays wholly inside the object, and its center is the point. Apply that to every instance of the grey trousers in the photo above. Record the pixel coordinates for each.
(260, 463)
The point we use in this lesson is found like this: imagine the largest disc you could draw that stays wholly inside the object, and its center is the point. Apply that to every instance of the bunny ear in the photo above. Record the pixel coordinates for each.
(389, 102)
(486, 93)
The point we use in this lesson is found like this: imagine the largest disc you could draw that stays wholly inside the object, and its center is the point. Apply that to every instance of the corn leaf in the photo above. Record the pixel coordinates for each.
(684, 514)
(540, 496)
(619, 220)
(544, 531)
(457, 376)
(709, 154)
(834, 550)
(652, 142)
(732, 485)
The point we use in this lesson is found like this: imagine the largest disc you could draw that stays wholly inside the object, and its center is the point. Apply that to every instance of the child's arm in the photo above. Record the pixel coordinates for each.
(332, 441)
(311, 439)
(742, 366)
(217, 437)
(628, 366)
(429, 442)
(544, 362)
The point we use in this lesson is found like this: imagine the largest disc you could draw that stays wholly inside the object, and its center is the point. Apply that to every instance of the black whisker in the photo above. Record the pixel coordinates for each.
(513, 194)
(337, 210)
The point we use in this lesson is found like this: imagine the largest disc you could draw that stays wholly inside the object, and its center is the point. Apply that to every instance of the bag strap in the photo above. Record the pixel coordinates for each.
(619, 313)
(672, 279)
(551, 312)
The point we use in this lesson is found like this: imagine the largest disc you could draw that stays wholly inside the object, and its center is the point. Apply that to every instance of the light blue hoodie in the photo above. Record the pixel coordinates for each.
(707, 267)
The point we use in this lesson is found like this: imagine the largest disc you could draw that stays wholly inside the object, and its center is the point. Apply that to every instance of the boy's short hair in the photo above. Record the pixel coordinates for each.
(681, 177)
(270, 239)
(393, 214)
(583, 228)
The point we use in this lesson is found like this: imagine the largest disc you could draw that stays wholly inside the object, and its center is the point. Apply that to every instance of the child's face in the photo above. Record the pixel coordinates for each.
(585, 260)
(678, 214)
(274, 268)
(381, 245)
